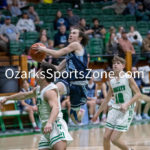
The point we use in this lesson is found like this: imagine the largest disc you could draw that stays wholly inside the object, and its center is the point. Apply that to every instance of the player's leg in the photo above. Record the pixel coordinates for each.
(145, 112)
(145, 98)
(91, 105)
(115, 139)
(62, 145)
(106, 138)
(31, 116)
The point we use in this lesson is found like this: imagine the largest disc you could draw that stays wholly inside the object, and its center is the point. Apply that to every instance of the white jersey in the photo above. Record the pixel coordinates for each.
(121, 89)
(43, 106)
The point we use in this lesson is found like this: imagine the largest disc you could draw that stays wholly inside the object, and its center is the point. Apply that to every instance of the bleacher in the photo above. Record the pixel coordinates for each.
(107, 18)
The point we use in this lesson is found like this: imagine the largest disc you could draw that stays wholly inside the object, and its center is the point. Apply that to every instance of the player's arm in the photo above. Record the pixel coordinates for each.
(104, 90)
(61, 66)
(61, 52)
(19, 96)
(137, 94)
(104, 104)
(51, 97)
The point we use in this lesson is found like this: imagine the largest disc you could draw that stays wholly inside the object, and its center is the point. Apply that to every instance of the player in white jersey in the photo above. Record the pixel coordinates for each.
(55, 133)
(121, 114)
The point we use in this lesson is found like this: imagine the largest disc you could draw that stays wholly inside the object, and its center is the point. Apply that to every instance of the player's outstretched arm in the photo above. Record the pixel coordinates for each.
(61, 66)
(51, 97)
(61, 52)
(104, 104)
(19, 96)
(137, 94)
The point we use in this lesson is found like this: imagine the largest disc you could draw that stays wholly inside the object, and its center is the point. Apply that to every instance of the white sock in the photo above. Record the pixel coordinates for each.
(34, 125)
(91, 116)
(104, 116)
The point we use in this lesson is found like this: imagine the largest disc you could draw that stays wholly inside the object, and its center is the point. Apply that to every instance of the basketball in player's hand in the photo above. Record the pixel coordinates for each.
(35, 54)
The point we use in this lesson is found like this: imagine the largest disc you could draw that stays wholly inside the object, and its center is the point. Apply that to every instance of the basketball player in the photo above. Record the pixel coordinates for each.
(122, 112)
(54, 129)
(76, 60)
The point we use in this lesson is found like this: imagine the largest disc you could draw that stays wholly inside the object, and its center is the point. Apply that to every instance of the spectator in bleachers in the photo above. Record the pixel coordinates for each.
(135, 37)
(126, 46)
(60, 20)
(3, 4)
(111, 48)
(96, 28)
(147, 4)
(146, 46)
(61, 38)
(112, 29)
(142, 14)
(140, 83)
(8, 32)
(85, 27)
(14, 9)
(131, 8)
(29, 105)
(43, 32)
(66, 105)
(72, 19)
(118, 7)
(119, 33)
(25, 24)
(32, 14)
(91, 97)
(43, 40)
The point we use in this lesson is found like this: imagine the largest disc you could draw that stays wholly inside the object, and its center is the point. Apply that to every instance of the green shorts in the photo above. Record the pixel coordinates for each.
(59, 133)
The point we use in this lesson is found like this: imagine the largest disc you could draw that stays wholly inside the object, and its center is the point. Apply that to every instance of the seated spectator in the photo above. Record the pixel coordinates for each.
(142, 14)
(60, 20)
(91, 97)
(118, 7)
(72, 19)
(32, 14)
(118, 35)
(85, 27)
(25, 24)
(112, 29)
(111, 48)
(65, 105)
(103, 95)
(96, 33)
(43, 40)
(139, 82)
(126, 46)
(8, 32)
(29, 105)
(131, 8)
(14, 9)
(146, 47)
(61, 38)
(3, 4)
(134, 36)
(147, 4)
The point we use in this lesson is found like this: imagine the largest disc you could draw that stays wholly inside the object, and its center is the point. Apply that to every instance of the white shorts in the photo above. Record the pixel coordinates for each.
(59, 133)
(118, 120)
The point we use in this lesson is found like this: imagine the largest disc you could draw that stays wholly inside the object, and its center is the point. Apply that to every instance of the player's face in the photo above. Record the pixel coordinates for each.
(117, 66)
(73, 36)
(38, 77)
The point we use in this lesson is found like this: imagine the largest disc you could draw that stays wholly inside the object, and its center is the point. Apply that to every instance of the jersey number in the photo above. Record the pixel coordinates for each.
(119, 98)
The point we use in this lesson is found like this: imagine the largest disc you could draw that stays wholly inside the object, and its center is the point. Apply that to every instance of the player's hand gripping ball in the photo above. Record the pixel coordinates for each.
(36, 54)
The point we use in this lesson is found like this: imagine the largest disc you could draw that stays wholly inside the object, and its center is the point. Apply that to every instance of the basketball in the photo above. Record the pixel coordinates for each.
(35, 54)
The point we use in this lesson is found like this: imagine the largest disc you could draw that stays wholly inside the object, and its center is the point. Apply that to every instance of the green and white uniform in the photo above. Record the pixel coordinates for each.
(118, 120)
(59, 127)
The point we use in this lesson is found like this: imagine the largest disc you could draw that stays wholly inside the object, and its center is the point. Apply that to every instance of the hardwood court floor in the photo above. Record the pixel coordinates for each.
(138, 137)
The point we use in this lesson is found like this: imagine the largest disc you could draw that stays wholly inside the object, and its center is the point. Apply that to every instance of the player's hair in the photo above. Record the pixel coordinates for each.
(117, 58)
(47, 70)
(82, 34)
